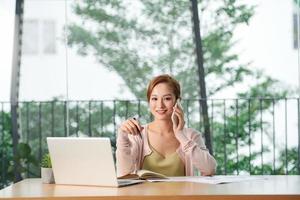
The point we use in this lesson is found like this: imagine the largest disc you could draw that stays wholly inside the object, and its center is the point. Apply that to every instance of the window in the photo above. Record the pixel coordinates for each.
(30, 37)
(295, 31)
(49, 46)
(39, 37)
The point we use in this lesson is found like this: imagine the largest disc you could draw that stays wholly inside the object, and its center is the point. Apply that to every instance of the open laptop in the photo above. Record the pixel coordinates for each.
(84, 161)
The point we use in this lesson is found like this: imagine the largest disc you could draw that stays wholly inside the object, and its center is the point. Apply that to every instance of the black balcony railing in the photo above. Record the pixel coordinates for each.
(249, 136)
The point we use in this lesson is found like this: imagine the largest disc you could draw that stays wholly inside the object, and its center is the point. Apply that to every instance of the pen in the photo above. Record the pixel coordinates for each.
(136, 119)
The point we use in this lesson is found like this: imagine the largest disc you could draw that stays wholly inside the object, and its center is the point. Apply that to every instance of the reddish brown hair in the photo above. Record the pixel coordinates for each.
(165, 78)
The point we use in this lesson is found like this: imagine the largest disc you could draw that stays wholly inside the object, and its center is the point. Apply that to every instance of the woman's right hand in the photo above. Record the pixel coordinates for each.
(131, 126)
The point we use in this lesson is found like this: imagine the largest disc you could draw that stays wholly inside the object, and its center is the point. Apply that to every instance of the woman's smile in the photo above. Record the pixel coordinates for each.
(161, 112)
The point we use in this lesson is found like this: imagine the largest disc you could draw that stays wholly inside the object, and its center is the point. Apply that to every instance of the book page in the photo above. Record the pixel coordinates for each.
(146, 174)
(209, 179)
(130, 176)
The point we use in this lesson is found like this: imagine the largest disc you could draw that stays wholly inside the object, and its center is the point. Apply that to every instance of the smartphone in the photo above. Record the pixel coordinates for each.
(174, 118)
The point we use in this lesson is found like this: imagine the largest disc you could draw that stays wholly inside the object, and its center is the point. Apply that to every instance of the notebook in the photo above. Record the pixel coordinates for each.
(84, 161)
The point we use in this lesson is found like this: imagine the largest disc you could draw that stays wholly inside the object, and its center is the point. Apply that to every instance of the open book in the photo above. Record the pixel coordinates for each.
(144, 174)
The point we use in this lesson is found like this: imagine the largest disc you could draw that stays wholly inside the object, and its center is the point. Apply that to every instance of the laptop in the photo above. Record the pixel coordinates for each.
(84, 161)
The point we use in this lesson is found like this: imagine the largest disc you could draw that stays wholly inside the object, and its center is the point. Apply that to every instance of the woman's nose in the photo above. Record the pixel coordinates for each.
(160, 103)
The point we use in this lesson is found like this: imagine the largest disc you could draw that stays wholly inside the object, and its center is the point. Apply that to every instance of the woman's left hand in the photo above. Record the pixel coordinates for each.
(178, 112)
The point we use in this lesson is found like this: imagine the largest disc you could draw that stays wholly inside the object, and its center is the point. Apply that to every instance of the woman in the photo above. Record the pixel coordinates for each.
(164, 145)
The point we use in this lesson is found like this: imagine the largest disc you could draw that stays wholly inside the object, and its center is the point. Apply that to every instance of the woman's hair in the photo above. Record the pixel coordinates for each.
(164, 78)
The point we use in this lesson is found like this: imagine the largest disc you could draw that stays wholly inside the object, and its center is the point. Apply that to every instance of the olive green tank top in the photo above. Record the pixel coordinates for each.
(171, 165)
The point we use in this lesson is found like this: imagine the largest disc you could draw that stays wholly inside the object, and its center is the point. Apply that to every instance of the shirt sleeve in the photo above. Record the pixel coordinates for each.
(193, 146)
(126, 155)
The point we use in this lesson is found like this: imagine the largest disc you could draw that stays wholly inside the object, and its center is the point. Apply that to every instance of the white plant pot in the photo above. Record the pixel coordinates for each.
(47, 175)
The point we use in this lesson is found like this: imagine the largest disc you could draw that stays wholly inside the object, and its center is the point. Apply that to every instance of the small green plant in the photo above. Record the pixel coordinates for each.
(46, 161)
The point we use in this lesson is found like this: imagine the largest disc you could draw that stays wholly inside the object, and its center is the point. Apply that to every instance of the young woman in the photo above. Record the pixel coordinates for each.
(164, 145)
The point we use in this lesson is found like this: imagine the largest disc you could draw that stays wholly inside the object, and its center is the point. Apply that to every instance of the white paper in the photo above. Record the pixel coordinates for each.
(209, 179)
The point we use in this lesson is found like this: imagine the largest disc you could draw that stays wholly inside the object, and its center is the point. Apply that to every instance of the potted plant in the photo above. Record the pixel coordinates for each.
(46, 169)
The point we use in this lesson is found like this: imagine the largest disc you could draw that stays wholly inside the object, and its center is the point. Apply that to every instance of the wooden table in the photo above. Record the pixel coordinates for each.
(274, 187)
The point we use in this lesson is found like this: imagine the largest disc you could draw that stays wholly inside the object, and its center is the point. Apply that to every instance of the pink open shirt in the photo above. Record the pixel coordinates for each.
(132, 149)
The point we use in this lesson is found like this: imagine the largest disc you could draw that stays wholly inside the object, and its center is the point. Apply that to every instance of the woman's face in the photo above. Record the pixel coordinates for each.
(162, 100)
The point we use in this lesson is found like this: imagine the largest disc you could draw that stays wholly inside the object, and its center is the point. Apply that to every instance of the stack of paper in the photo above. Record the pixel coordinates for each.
(209, 179)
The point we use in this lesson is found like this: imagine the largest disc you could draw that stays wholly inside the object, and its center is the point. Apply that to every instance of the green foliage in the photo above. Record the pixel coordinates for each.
(288, 162)
(46, 161)
(24, 155)
(117, 39)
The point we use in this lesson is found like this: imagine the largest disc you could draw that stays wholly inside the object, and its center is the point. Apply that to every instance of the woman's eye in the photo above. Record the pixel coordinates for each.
(154, 99)
(168, 98)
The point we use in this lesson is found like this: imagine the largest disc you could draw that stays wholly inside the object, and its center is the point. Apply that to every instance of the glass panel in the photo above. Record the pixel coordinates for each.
(250, 51)
(109, 50)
